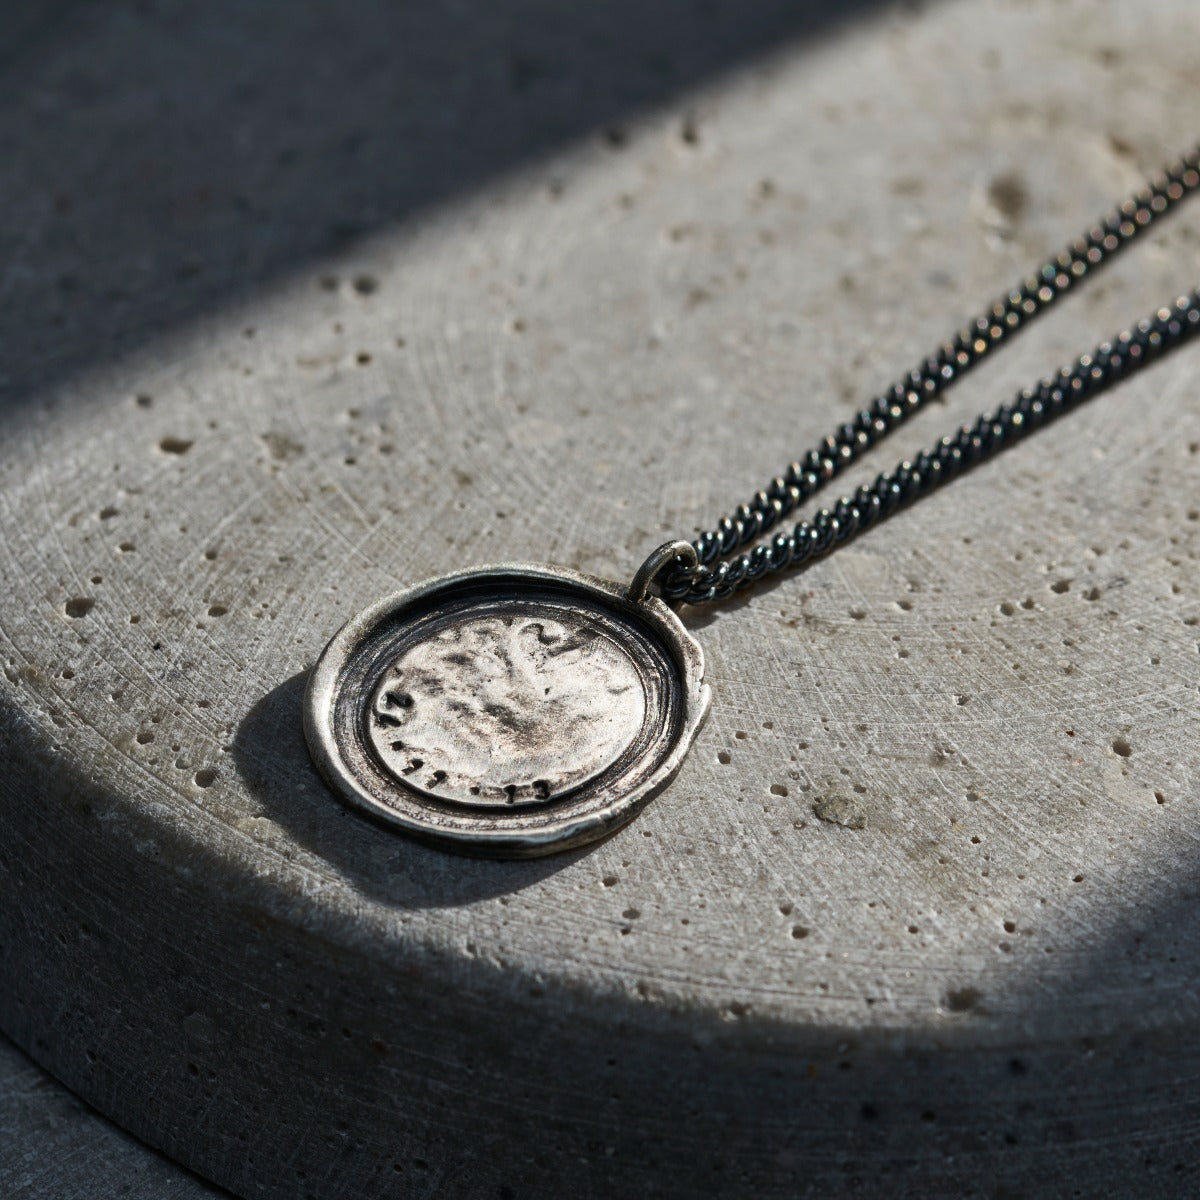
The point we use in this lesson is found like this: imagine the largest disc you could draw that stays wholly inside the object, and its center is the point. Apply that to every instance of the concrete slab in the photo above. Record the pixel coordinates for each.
(53, 1145)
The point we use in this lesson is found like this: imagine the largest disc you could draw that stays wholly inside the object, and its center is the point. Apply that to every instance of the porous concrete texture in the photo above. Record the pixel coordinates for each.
(306, 303)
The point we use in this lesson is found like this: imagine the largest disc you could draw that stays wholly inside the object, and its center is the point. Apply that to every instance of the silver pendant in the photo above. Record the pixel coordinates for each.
(508, 711)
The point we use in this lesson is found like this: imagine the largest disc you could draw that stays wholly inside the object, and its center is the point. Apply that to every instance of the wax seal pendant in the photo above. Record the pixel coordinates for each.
(507, 711)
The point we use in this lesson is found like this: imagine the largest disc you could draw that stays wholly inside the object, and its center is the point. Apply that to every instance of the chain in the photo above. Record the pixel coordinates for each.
(719, 570)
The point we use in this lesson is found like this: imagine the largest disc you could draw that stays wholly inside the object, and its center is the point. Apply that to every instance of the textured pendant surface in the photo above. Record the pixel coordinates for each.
(507, 711)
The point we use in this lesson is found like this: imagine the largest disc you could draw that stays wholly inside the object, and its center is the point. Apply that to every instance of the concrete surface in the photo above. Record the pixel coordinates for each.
(306, 307)
(53, 1147)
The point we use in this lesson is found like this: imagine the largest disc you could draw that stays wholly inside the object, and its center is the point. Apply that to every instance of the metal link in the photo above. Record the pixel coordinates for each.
(710, 579)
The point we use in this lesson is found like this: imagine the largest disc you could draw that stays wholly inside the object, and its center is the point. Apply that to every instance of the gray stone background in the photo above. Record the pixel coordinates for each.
(306, 301)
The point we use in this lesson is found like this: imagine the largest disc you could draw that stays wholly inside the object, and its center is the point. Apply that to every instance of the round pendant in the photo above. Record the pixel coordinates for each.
(507, 711)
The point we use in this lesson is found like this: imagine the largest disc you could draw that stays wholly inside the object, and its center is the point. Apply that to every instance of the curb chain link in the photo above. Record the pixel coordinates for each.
(720, 570)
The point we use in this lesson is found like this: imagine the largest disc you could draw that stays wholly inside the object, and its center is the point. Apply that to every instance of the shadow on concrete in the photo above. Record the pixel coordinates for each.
(161, 160)
(54, 1145)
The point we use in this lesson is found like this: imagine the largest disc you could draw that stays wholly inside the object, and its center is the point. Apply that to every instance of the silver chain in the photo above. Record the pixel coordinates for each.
(721, 564)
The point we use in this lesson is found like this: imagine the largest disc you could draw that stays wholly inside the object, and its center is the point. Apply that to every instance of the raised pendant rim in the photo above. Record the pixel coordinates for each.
(594, 811)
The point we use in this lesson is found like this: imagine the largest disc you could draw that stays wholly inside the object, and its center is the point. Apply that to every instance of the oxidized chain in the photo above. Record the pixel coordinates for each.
(710, 578)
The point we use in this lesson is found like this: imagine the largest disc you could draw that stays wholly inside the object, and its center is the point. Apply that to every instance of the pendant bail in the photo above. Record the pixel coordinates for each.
(666, 554)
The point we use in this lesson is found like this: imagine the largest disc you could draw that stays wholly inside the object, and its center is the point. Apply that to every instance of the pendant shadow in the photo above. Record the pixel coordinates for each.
(272, 758)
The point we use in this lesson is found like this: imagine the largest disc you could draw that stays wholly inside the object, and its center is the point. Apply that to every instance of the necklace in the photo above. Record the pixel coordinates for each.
(515, 711)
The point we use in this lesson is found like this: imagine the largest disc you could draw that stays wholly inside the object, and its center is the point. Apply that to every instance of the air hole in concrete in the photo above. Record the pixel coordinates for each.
(1008, 195)
(962, 999)
(79, 606)
(175, 445)
(1122, 747)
